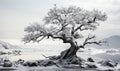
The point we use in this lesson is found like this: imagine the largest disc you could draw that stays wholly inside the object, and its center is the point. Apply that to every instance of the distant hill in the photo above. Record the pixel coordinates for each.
(5, 45)
(112, 42)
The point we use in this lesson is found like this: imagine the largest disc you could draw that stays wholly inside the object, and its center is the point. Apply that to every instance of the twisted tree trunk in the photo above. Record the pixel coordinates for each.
(69, 56)
(69, 52)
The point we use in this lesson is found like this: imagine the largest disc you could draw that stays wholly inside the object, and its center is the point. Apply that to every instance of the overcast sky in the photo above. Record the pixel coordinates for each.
(15, 15)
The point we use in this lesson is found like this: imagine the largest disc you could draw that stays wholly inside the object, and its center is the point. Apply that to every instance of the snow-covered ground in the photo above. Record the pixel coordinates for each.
(36, 52)
(94, 51)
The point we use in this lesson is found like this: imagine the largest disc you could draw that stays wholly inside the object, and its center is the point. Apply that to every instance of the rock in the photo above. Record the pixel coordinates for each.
(30, 63)
(25, 64)
(71, 66)
(90, 60)
(88, 65)
(7, 63)
(91, 66)
(108, 63)
(46, 63)
(20, 61)
(109, 70)
(73, 60)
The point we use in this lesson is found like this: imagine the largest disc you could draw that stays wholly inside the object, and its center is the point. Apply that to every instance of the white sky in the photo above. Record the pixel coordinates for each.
(15, 15)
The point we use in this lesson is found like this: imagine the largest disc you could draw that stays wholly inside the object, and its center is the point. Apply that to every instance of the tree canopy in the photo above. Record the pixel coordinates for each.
(65, 23)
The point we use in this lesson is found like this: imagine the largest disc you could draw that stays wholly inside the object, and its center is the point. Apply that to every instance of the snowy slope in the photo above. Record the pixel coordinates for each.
(4, 45)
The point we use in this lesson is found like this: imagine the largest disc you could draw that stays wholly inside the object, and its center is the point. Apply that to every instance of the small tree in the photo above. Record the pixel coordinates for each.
(66, 24)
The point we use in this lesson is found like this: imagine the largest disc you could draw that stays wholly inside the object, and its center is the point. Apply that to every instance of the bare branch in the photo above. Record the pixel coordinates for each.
(89, 38)
(94, 42)
(55, 37)
(88, 41)
(79, 28)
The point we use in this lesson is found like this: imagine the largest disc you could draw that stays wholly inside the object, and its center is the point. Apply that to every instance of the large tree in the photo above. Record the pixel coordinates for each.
(66, 24)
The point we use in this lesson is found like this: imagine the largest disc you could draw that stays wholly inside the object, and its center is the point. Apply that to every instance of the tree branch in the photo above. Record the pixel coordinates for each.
(80, 27)
(87, 41)
(55, 37)
(41, 39)
(94, 42)
(88, 23)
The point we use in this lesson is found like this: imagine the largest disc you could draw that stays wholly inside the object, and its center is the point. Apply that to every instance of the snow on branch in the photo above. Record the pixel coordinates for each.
(34, 32)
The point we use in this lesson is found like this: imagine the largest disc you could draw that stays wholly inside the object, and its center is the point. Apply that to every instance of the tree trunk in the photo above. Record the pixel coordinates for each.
(69, 52)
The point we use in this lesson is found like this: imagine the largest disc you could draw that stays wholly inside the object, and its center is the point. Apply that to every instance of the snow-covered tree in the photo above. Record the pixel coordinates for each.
(66, 24)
